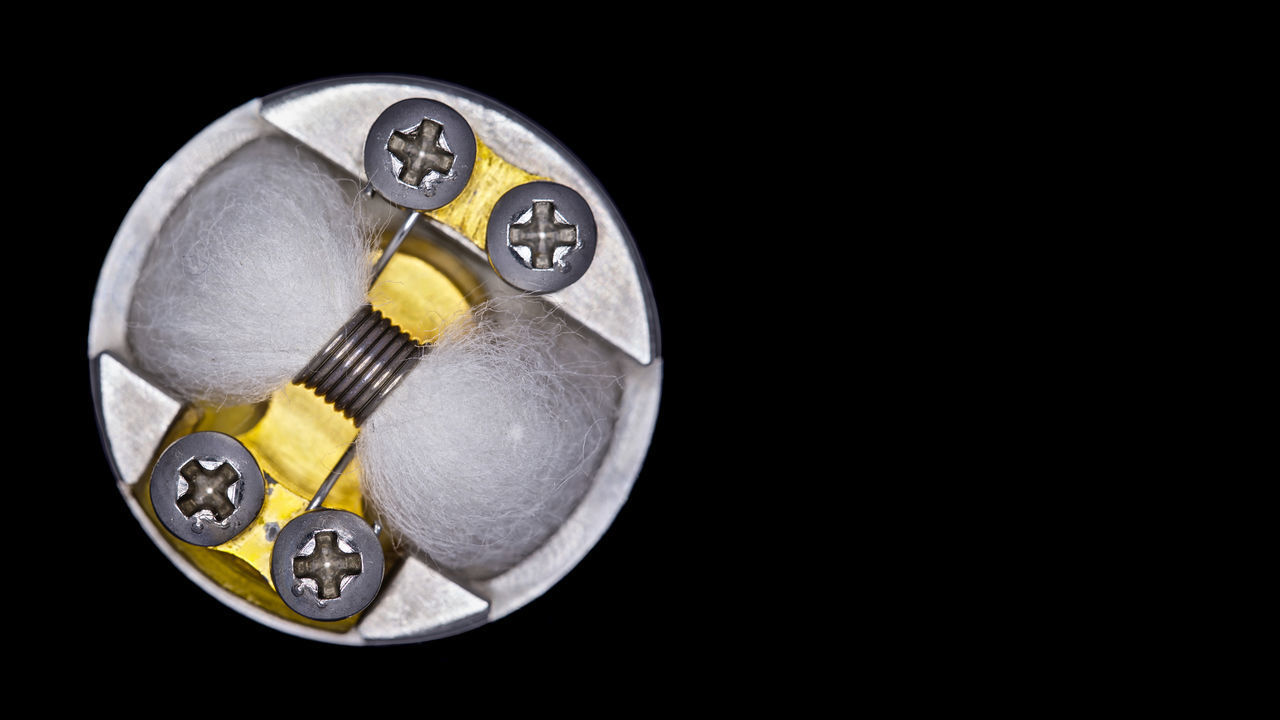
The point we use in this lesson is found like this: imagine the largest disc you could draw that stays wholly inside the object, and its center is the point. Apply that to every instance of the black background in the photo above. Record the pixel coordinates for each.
(661, 578)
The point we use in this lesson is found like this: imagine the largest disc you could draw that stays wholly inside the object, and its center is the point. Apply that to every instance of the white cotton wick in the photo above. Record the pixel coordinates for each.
(255, 270)
(490, 442)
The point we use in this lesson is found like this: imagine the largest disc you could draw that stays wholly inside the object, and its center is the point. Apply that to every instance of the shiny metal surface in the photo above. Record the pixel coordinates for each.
(420, 603)
(612, 300)
(302, 564)
(134, 416)
(200, 455)
(361, 364)
(437, 135)
(327, 486)
(541, 269)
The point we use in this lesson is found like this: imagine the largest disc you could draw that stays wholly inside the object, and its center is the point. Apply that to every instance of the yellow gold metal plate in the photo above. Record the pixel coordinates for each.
(491, 178)
(297, 438)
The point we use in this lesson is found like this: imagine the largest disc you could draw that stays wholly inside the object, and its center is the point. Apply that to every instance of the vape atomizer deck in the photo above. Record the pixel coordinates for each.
(482, 203)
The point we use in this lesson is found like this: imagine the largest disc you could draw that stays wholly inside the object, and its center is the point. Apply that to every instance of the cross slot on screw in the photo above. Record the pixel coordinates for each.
(327, 565)
(543, 234)
(207, 489)
(542, 219)
(206, 474)
(345, 562)
(420, 152)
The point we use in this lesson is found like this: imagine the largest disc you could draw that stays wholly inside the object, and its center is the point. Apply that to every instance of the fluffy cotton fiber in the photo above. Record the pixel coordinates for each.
(256, 269)
(489, 444)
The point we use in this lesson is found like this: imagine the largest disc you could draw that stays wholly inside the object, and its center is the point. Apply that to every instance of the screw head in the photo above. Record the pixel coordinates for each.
(327, 564)
(419, 154)
(206, 488)
(541, 237)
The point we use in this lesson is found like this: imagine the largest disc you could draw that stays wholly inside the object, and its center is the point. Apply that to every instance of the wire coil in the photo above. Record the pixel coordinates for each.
(361, 365)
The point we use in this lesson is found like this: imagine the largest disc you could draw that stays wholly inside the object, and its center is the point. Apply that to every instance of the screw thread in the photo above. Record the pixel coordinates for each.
(361, 365)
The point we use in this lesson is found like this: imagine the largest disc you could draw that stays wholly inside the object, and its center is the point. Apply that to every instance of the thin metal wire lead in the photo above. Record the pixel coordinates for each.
(394, 245)
(323, 491)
